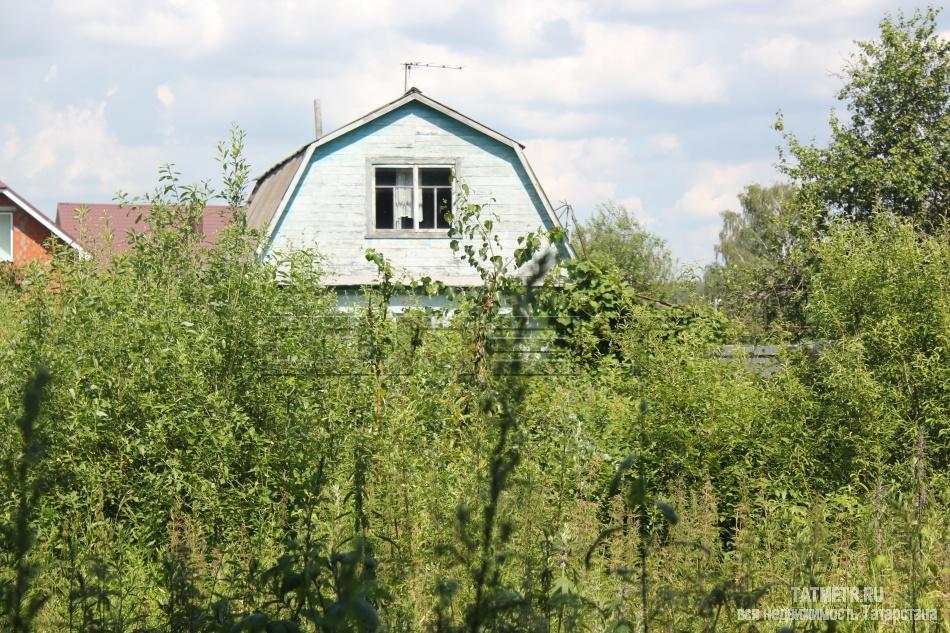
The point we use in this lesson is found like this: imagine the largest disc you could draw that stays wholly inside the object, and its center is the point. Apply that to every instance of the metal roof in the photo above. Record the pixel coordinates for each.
(103, 224)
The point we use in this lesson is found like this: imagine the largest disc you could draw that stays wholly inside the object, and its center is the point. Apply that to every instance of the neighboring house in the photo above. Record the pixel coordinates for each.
(25, 231)
(103, 229)
(384, 182)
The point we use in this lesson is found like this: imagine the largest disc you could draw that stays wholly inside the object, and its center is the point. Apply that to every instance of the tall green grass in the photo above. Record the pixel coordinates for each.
(222, 449)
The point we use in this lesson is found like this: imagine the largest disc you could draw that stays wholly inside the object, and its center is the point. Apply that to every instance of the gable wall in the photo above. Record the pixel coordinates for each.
(29, 235)
(328, 210)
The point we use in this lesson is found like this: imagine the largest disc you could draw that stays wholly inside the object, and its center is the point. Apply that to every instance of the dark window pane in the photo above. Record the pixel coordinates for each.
(435, 177)
(384, 208)
(428, 209)
(445, 206)
(385, 176)
(405, 223)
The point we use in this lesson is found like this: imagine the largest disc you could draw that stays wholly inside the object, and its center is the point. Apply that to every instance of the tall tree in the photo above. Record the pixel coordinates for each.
(613, 239)
(755, 254)
(893, 152)
(761, 233)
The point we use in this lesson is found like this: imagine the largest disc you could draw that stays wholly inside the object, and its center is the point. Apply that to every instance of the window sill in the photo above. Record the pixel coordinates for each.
(424, 234)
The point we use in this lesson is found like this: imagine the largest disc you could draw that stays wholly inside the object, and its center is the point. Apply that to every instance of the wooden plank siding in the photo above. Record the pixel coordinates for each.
(329, 209)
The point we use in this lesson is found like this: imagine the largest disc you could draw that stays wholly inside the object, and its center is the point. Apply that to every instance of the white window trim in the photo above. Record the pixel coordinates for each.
(403, 163)
(8, 211)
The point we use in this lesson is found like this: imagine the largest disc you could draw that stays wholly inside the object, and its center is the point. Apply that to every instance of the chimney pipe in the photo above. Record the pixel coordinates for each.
(317, 118)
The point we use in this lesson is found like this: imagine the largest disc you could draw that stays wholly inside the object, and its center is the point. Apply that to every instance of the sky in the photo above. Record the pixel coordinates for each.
(664, 106)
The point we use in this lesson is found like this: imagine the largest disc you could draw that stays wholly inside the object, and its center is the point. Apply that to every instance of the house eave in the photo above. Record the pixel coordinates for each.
(38, 215)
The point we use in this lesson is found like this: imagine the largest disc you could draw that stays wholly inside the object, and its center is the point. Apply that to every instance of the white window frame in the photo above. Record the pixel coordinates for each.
(8, 211)
(415, 164)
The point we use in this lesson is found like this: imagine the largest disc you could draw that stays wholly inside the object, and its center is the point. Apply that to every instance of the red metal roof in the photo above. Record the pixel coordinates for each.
(103, 220)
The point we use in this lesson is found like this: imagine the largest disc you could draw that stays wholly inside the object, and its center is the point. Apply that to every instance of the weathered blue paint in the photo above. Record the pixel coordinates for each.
(329, 208)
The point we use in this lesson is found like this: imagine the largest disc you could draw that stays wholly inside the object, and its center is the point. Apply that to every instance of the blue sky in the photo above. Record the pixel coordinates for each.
(664, 106)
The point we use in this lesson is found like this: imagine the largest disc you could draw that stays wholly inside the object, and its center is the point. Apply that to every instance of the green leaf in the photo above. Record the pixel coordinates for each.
(562, 585)
(627, 462)
(668, 513)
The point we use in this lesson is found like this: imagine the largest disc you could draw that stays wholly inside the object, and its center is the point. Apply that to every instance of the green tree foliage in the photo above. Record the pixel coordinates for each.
(893, 152)
(756, 252)
(880, 303)
(761, 233)
(620, 266)
(614, 239)
(592, 309)
(20, 602)
(890, 156)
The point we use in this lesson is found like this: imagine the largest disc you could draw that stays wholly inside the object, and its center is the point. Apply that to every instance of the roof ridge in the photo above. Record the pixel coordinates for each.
(413, 93)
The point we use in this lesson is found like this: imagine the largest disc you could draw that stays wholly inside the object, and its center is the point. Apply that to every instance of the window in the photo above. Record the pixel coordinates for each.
(394, 191)
(436, 187)
(411, 198)
(6, 236)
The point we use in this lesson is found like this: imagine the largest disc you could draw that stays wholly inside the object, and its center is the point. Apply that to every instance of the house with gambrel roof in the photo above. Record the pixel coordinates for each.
(385, 182)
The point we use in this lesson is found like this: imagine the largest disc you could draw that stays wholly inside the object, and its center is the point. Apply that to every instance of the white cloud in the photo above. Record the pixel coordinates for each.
(165, 96)
(667, 5)
(552, 123)
(10, 146)
(605, 64)
(635, 206)
(183, 27)
(616, 63)
(789, 52)
(525, 27)
(579, 172)
(800, 13)
(190, 28)
(664, 143)
(809, 64)
(697, 244)
(776, 53)
(51, 74)
(636, 61)
(585, 173)
(717, 187)
(559, 50)
(72, 151)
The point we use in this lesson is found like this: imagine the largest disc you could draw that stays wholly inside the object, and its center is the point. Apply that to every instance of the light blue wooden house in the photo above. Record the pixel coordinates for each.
(384, 182)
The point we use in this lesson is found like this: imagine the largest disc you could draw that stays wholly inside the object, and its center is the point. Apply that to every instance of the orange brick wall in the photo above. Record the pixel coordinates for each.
(28, 235)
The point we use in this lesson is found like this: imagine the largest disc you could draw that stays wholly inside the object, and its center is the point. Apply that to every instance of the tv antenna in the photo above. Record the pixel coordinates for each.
(408, 66)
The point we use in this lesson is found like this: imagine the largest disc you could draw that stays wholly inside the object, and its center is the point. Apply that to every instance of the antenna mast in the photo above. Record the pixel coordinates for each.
(569, 214)
(408, 66)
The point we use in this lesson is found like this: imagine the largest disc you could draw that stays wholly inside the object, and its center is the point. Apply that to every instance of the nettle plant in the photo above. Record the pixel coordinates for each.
(505, 277)
(482, 595)
(475, 241)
